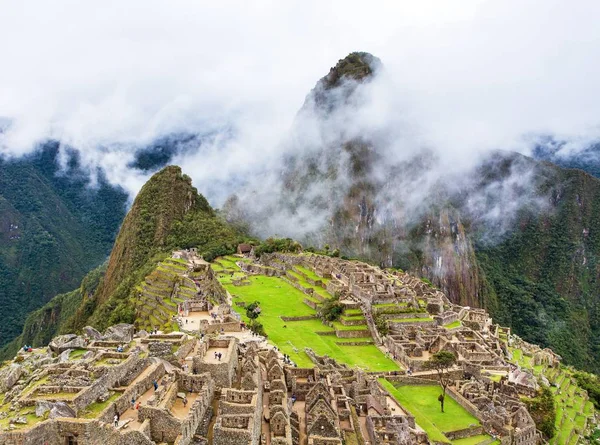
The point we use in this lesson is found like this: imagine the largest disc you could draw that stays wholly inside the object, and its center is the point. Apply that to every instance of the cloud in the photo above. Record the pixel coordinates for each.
(109, 78)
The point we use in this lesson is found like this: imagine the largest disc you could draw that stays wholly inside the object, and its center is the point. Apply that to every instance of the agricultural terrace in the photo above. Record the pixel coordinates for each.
(573, 409)
(422, 403)
(279, 298)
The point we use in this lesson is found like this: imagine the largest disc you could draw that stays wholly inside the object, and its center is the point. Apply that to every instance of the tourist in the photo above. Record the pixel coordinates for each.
(133, 403)
(137, 406)
(155, 385)
(185, 401)
(116, 418)
(216, 355)
(220, 355)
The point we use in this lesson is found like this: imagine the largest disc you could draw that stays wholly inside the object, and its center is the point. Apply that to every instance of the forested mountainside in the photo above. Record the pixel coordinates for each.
(54, 228)
(557, 152)
(515, 235)
(167, 214)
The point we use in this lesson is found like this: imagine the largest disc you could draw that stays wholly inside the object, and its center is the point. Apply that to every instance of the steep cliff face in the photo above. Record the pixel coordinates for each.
(442, 250)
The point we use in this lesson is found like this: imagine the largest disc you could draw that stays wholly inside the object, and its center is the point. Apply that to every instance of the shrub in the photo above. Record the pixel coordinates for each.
(331, 310)
(253, 310)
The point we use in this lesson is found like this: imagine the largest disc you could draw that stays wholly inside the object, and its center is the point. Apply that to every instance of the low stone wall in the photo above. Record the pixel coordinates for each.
(325, 333)
(301, 318)
(464, 433)
(185, 349)
(401, 325)
(410, 381)
(307, 290)
(230, 326)
(311, 304)
(57, 431)
(353, 333)
(163, 426)
(464, 402)
(356, 343)
(101, 385)
(354, 322)
(122, 403)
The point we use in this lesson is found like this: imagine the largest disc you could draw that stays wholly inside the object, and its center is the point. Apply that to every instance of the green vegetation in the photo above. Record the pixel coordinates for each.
(568, 407)
(271, 245)
(93, 410)
(54, 229)
(538, 282)
(474, 440)
(454, 324)
(421, 402)
(277, 298)
(441, 362)
(591, 383)
(331, 310)
(543, 411)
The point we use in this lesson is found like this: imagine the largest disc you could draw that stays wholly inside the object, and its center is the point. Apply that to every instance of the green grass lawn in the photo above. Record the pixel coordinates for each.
(76, 354)
(421, 402)
(473, 440)
(353, 312)
(310, 274)
(278, 298)
(454, 324)
(94, 409)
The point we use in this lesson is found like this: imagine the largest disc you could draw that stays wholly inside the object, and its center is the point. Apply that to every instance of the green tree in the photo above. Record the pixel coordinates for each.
(253, 310)
(441, 362)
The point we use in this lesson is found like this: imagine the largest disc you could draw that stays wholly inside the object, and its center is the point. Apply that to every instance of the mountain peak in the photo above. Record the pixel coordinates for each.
(356, 66)
(167, 197)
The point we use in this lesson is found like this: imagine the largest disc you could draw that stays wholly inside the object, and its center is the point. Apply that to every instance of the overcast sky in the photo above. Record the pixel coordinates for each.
(464, 77)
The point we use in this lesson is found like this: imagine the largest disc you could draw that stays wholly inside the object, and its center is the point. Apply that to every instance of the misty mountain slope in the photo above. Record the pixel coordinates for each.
(53, 230)
(167, 214)
(559, 153)
(509, 233)
(544, 277)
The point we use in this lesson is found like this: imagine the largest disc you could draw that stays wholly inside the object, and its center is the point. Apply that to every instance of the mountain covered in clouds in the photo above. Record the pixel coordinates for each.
(509, 233)
(515, 234)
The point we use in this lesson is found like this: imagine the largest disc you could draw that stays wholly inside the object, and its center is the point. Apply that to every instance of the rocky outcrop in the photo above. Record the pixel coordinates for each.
(9, 376)
(92, 333)
(67, 341)
(120, 332)
(61, 409)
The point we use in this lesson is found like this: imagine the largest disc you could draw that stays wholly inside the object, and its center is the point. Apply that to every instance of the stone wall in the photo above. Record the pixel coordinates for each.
(224, 371)
(353, 333)
(101, 385)
(163, 426)
(466, 432)
(231, 326)
(300, 318)
(121, 404)
(185, 349)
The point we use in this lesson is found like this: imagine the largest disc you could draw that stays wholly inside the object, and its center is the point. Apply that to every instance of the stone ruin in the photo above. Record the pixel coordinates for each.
(175, 388)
